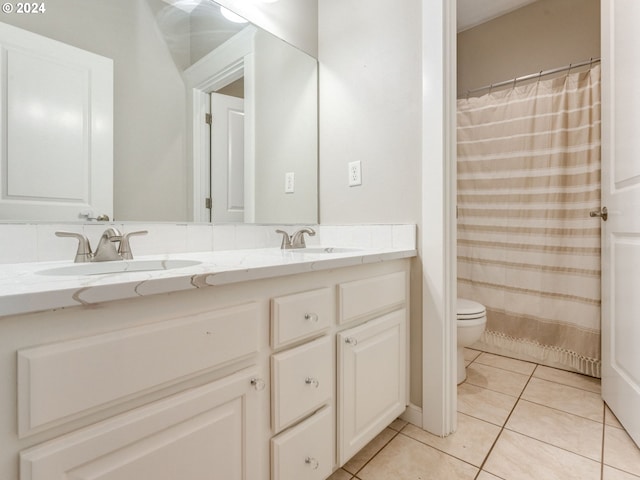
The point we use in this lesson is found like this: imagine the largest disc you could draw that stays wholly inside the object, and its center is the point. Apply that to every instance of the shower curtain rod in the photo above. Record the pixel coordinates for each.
(532, 76)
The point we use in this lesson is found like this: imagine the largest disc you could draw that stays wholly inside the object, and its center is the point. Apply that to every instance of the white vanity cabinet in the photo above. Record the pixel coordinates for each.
(372, 359)
(302, 385)
(282, 378)
(370, 365)
(212, 426)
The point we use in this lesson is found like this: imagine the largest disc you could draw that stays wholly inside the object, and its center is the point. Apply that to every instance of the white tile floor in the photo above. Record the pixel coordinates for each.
(516, 421)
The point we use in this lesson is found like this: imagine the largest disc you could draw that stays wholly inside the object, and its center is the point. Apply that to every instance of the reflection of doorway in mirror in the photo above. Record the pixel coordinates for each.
(227, 157)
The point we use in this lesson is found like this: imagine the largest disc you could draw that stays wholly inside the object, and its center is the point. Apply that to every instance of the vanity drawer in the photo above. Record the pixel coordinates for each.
(302, 381)
(300, 316)
(68, 378)
(304, 451)
(364, 297)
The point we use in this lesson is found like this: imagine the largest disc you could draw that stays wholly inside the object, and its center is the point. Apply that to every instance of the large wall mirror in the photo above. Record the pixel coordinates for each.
(203, 116)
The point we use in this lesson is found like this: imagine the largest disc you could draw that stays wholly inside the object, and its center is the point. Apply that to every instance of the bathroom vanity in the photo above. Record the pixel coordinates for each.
(255, 364)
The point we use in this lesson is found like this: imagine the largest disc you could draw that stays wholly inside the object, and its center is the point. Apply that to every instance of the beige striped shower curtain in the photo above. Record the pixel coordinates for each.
(528, 175)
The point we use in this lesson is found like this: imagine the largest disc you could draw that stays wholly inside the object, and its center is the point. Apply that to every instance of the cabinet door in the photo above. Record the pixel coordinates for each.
(371, 380)
(208, 432)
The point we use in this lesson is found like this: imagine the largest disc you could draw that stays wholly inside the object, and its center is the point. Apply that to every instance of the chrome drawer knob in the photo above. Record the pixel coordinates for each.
(311, 316)
(312, 381)
(312, 462)
(258, 383)
(351, 341)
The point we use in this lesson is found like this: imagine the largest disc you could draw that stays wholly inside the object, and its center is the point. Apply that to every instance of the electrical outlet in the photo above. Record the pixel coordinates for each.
(355, 174)
(289, 182)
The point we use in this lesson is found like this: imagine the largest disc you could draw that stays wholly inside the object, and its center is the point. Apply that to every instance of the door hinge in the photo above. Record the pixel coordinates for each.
(208, 119)
(208, 203)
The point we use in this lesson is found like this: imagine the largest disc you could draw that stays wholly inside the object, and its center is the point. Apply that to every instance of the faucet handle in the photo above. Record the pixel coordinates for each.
(125, 248)
(286, 240)
(83, 254)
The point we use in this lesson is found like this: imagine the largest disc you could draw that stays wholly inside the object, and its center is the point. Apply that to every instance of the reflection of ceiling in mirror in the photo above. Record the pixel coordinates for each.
(186, 5)
(193, 28)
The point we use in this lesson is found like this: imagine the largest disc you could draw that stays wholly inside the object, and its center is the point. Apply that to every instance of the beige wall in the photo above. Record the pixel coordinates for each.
(540, 36)
(370, 107)
(370, 110)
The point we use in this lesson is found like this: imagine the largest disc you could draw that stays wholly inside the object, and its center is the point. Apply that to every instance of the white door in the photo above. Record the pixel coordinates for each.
(227, 158)
(56, 141)
(621, 196)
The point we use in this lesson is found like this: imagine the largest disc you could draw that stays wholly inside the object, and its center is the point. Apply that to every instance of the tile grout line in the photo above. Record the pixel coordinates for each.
(502, 428)
(604, 425)
(396, 433)
(560, 410)
(519, 398)
(536, 365)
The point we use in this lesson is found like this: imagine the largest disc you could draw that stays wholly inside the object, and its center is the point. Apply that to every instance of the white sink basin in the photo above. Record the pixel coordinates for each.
(315, 250)
(101, 268)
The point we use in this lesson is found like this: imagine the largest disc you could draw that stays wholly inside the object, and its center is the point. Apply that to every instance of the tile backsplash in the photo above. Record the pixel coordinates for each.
(23, 243)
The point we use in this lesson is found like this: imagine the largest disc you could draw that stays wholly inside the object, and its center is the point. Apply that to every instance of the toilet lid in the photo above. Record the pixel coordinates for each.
(468, 309)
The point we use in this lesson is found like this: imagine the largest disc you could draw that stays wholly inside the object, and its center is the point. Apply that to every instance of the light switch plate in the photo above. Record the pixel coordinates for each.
(289, 182)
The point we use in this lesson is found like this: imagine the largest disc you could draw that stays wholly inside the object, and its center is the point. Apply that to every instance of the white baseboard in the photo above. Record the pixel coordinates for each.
(413, 415)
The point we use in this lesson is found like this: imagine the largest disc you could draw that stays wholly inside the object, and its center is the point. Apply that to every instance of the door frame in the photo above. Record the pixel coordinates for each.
(437, 240)
(229, 62)
(200, 137)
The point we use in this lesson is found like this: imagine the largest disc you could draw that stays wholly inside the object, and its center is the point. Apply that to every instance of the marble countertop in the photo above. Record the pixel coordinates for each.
(32, 287)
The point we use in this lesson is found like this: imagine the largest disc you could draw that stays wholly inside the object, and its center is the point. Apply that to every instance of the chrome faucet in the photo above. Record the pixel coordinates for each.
(106, 250)
(296, 240)
(83, 254)
(125, 247)
(286, 240)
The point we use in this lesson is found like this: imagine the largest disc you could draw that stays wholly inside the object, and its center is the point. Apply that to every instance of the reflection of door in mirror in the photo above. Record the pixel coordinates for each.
(227, 158)
(57, 144)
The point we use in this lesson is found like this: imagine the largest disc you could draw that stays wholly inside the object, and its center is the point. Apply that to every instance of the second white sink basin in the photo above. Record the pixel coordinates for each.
(101, 268)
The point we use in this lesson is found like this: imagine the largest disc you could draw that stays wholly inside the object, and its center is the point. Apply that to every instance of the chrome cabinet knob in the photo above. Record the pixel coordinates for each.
(351, 341)
(258, 383)
(312, 462)
(313, 317)
(312, 381)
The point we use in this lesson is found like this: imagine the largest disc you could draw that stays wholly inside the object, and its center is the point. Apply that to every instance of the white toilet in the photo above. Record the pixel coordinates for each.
(472, 318)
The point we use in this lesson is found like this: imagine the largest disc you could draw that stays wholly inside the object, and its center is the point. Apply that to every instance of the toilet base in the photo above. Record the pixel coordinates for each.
(462, 370)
